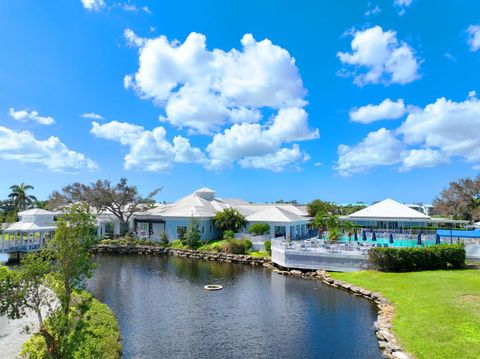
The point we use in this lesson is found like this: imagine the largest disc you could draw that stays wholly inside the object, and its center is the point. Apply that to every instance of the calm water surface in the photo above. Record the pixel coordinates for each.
(164, 312)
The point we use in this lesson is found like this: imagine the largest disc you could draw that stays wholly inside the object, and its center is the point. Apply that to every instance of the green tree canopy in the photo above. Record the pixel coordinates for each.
(259, 229)
(122, 199)
(20, 197)
(460, 200)
(229, 219)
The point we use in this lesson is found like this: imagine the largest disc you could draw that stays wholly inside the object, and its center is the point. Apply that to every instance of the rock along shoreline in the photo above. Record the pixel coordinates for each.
(383, 325)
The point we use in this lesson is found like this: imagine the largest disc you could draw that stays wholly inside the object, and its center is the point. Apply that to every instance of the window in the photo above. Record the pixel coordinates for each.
(143, 226)
(210, 229)
(203, 229)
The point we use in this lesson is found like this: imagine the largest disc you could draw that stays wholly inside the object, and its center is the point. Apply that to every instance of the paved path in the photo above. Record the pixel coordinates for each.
(13, 335)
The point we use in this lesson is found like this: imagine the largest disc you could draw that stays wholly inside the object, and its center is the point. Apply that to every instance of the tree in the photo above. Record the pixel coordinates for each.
(317, 206)
(319, 221)
(229, 219)
(258, 229)
(460, 200)
(121, 200)
(334, 232)
(348, 228)
(70, 245)
(192, 237)
(19, 196)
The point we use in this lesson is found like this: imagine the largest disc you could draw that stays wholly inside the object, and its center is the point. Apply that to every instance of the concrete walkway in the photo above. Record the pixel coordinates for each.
(13, 334)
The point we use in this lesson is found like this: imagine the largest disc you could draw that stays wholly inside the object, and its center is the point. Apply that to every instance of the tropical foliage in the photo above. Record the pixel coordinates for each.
(229, 220)
(318, 206)
(19, 196)
(258, 229)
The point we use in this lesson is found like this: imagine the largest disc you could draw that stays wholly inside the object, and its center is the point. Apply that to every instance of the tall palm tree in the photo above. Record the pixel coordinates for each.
(20, 197)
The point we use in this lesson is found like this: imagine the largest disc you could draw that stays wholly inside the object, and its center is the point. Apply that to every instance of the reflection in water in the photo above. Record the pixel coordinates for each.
(164, 312)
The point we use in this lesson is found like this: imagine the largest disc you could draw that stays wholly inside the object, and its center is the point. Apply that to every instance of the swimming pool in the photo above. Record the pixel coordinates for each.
(396, 242)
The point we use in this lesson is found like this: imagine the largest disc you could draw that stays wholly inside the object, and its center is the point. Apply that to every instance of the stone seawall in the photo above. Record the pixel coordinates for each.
(185, 253)
(383, 325)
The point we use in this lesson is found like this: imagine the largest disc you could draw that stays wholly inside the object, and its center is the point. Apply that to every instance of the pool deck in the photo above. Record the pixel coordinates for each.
(337, 258)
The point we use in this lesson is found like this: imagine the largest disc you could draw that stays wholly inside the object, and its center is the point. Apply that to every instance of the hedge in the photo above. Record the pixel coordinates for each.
(441, 256)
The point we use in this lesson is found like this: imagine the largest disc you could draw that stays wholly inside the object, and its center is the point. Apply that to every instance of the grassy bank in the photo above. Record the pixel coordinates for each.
(437, 312)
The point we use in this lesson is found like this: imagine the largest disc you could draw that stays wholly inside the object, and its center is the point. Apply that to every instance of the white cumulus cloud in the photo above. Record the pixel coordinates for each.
(422, 158)
(25, 116)
(23, 147)
(452, 127)
(277, 161)
(429, 136)
(379, 57)
(254, 140)
(92, 116)
(250, 101)
(148, 150)
(379, 148)
(473, 40)
(205, 89)
(93, 5)
(386, 110)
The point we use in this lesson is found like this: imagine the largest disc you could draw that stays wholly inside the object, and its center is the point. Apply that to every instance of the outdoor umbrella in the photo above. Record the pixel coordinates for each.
(419, 238)
(364, 236)
(374, 237)
(391, 238)
(437, 239)
(355, 236)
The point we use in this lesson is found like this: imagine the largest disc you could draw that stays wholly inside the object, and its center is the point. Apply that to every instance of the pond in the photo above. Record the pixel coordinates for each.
(164, 311)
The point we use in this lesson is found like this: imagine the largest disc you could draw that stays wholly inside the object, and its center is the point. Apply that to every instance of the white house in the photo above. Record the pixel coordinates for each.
(284, 219)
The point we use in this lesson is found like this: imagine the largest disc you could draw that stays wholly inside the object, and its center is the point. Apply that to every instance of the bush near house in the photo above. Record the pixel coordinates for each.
(268, 247)
(258, 229)
(442, 256)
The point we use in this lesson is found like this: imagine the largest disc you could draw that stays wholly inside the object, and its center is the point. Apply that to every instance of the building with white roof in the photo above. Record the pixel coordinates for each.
(30, 232)
(284, 219)
(392, 215)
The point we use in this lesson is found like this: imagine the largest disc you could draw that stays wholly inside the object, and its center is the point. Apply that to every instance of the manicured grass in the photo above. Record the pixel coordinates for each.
(437, 313)
(259, 254)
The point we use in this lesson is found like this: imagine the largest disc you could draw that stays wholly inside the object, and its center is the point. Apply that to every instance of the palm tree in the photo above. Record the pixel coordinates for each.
(20, 197)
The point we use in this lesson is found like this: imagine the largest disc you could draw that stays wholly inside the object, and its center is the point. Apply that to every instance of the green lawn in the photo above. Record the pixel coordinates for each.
(437, 312)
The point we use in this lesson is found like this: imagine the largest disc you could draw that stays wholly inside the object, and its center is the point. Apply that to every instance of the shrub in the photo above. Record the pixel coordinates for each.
(98, 335)
(268, 246)
(248, 243)
(234, 246)
(258, 229)
(229, 219)
(442, 256)
(228, 234)
(164, 239)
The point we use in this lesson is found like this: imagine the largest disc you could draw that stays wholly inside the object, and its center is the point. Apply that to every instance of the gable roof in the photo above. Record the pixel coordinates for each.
(389, 209)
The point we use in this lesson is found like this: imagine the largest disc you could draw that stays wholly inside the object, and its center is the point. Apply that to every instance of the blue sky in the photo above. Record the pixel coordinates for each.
(339, 100)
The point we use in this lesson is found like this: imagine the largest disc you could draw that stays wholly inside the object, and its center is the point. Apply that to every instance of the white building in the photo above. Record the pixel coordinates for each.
(284, 219)
(392, 215)
(30, 232)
